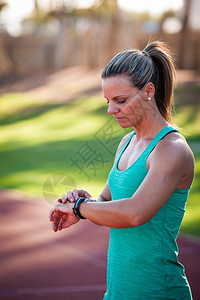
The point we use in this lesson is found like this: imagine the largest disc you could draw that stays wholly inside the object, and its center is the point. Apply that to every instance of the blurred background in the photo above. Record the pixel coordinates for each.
(55, 34)
(55, 134)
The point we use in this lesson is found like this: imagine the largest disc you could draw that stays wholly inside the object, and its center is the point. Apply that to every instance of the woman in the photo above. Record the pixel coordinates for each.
(143, 201)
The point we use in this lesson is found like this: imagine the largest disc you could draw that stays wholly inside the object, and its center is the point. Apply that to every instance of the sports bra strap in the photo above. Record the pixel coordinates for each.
(157, 138)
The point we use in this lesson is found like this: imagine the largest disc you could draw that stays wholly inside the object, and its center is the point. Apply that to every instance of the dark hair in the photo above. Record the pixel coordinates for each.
(153, 64)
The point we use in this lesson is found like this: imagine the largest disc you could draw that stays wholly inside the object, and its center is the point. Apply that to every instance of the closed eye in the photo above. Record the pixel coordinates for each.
(120, 101)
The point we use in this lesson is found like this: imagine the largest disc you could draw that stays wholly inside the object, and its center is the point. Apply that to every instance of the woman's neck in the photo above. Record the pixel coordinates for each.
(150, 126)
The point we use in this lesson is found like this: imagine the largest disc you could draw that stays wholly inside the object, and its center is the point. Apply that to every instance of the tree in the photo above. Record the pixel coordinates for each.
(184, 33)
(6, 64)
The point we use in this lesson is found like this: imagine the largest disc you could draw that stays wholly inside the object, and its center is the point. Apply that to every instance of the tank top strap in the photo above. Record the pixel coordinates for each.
(126, 144)
(157, 138)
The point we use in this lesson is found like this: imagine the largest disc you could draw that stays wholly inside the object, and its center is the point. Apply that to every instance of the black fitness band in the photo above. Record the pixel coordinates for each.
(76, 208)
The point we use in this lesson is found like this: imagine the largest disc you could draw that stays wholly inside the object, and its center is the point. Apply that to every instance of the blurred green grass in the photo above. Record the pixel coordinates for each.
(39, 141)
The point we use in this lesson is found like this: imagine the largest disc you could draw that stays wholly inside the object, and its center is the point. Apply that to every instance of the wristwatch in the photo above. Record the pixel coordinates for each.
(76, 208)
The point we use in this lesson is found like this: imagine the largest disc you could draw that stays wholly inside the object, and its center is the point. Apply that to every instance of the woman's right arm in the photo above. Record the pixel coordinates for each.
(71, 196)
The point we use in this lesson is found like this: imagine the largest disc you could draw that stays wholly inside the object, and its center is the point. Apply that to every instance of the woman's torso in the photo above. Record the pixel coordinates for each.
(142, 260)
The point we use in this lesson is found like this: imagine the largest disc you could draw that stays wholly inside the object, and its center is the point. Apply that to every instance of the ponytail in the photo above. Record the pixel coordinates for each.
(153, 64)
(163, 77)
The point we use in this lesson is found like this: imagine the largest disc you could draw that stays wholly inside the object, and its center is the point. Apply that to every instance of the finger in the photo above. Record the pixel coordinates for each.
(56, 220)
(71, 197)
(62, 221)
(55, 227)
(64, 225)
(75, 194)
(54, 223)
(64, 199)
(85, 194)
(57, 215)
(51, 213)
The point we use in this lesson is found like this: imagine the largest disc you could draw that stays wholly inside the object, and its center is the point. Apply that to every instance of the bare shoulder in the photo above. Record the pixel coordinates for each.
(174, 155)
(176, 146)
(123, 142)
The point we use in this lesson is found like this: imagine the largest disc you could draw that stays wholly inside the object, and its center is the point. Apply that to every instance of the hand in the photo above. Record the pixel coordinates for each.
(62, 216)
(71, 196)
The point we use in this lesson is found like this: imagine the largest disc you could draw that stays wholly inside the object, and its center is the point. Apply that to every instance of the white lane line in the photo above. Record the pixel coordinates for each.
(61, 289)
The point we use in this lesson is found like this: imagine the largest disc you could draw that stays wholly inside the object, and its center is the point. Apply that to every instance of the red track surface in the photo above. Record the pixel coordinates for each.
(37, 263)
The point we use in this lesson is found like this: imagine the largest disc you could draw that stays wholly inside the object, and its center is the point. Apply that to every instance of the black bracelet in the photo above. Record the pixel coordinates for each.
(76, 208)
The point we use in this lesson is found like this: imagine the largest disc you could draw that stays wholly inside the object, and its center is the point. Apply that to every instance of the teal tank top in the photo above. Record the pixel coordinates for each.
(143, 261)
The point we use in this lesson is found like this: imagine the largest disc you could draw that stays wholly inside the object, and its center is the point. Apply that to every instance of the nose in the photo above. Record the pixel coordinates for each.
(112, 109)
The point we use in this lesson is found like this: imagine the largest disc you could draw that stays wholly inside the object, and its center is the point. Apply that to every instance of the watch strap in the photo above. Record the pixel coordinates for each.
(76, 208)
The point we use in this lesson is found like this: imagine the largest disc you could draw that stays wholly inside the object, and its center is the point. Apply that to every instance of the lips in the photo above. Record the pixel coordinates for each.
(118, 118)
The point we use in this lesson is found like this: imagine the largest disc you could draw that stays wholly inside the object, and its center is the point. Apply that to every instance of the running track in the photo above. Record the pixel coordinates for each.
(36, 263)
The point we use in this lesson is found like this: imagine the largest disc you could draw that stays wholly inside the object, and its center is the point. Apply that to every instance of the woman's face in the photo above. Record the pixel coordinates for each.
(126, 103)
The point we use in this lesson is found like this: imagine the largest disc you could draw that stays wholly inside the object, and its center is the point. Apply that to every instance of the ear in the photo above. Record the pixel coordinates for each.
(149, 90)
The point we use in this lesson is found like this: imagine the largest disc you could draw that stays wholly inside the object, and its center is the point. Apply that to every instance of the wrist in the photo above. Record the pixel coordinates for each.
(76, 207)
(77, 204)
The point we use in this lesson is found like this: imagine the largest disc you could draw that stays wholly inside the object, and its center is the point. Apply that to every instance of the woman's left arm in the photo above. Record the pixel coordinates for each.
(168, 164)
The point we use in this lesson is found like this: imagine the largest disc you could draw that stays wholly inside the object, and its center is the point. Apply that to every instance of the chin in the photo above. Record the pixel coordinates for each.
(127, 122)
(125, 125)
